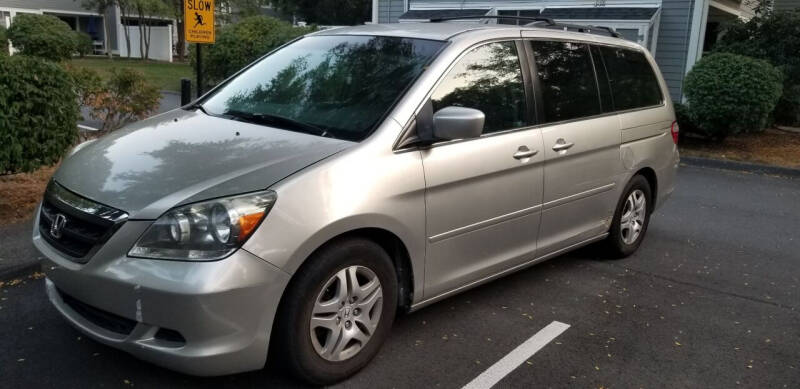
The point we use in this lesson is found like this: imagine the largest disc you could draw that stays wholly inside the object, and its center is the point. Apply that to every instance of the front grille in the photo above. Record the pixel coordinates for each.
(81, 225)
(98, 317)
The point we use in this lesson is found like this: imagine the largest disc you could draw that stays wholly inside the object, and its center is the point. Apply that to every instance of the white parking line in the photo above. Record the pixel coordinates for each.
(496, 372)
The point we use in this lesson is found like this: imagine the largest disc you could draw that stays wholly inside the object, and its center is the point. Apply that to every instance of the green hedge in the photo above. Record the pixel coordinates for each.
(239, 44)
(729, 94)
(44, 36)
(38, 113)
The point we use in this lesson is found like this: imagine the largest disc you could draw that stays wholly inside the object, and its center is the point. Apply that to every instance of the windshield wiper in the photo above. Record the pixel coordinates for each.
(275, 120)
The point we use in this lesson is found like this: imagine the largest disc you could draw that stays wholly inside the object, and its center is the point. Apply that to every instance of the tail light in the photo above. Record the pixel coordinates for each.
(675, 130)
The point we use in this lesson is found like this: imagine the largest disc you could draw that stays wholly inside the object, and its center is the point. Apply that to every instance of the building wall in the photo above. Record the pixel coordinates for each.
(390, 10)
(673, 43)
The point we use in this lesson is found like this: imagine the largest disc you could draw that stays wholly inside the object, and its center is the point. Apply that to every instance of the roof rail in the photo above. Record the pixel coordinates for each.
(529, 18)
(538, 21)
(576, 28)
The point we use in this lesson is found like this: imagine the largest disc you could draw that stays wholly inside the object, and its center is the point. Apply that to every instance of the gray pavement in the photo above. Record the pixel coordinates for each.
(710, 300)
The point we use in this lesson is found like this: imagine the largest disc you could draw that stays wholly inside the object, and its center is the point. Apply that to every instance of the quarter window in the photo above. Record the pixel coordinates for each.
(567, 80)
(488, 78)
(633, 83)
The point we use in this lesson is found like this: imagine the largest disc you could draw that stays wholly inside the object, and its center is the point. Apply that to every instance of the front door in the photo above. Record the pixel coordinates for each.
(483, 195)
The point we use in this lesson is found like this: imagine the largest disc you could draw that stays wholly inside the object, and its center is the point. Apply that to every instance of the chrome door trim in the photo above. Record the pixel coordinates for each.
(484, 223)
(578, 196)
(502, 273)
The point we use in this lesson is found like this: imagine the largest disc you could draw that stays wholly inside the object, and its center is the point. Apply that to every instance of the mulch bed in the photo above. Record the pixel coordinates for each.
(771, 147)
(21, 193)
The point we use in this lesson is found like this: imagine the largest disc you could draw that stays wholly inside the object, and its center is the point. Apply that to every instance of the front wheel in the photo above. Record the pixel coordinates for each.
(630, 218)
(338, 311)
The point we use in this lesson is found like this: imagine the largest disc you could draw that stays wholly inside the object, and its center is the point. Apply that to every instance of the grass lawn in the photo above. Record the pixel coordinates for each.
(771, 147)
(164, 74)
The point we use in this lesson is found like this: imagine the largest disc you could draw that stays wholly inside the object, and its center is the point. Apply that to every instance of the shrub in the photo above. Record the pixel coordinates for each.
(730, 94)
(83, 43)
(775, 37)
(3, 41)
(43, 36)
(38, 113)
(685, 122)
(125, 97)
(239, 44)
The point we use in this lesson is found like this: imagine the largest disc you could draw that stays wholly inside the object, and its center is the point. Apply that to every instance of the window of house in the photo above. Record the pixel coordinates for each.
(567, 80)
(632, 80)
(488, 78)
(526, 13)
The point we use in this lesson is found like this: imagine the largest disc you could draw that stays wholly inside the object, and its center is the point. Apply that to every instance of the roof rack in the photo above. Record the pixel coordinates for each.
(537, 21)
(530, 18)
(577, 28)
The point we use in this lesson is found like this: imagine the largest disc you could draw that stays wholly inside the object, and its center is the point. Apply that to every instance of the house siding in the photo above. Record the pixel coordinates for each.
(673, 43)
(390, 10)
(784, 5)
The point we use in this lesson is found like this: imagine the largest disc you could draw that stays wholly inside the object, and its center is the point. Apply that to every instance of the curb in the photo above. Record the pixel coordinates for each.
(741, 166)
(19, 271)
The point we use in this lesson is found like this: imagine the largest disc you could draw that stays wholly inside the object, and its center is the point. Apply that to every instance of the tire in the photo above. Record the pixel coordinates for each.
(315, 291)
(621, 241)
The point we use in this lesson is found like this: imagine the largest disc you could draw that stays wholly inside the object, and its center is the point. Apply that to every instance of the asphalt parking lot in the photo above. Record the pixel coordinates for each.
(710, 300)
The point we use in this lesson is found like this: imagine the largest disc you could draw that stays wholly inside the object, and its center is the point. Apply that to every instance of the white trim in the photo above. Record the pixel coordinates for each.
(516, 5)
(699, 19)
(62, 12)
(726, 8)
(656, 27)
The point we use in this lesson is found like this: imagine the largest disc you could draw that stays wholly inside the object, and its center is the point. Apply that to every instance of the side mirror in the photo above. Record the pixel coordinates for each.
(458, 123)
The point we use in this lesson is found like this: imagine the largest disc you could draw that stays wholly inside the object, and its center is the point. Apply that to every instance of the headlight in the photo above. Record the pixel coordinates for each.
(204, 231)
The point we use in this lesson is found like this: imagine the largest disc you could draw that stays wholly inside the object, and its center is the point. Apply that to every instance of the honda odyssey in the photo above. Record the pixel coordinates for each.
(349, 175)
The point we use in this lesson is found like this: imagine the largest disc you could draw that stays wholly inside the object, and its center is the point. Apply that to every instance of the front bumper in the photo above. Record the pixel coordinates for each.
(218, 315)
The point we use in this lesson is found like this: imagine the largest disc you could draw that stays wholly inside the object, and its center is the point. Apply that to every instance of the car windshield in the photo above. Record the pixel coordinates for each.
(341, 85)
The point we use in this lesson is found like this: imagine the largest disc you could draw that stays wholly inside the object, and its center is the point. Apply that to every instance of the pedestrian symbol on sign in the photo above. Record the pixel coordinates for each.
(198, 19)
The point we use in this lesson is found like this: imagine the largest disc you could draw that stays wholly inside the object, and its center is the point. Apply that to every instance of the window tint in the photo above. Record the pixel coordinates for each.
(567, 80)
(341, 84)
(488, 78)
(633, 83)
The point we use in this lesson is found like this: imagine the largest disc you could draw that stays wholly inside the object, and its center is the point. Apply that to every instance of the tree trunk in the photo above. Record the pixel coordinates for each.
(107, 28)
(147, 34)
(125, 30)
(141, 34)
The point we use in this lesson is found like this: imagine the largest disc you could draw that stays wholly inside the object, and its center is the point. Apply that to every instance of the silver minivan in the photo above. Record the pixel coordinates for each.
(349, 175)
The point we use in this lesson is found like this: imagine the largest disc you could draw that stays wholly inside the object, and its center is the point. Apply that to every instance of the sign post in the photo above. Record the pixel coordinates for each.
(198, 22)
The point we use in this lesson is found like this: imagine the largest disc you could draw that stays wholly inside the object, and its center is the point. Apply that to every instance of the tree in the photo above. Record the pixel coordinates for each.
(328, 12)
(125, 11)
(775, 37)
(176, 7)
(145, 11)
(102, 6)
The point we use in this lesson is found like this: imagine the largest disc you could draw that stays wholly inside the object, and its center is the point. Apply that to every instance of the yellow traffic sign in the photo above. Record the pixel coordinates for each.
(198, 21)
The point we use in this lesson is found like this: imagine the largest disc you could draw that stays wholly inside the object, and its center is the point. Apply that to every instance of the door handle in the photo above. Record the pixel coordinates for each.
(524, 152)
(561, 145)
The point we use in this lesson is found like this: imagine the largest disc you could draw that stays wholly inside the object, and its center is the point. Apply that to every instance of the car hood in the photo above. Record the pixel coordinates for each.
(181, 157)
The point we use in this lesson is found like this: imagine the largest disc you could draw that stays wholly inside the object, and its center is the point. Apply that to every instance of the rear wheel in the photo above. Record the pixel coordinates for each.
(338, 311)
(630, 218)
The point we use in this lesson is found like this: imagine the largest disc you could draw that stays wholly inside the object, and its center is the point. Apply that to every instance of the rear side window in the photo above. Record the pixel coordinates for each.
(488, 78)
(633, 83)
(567, 80)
